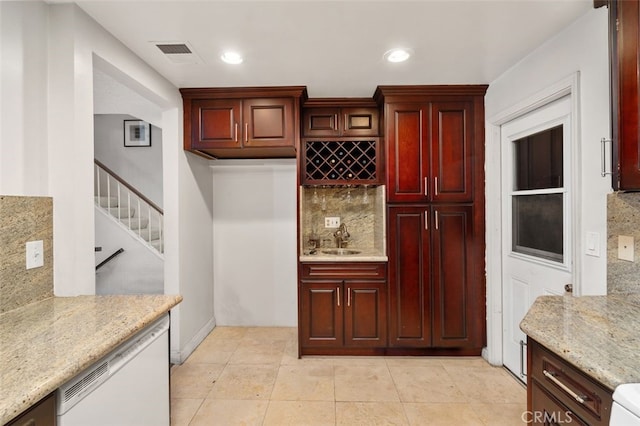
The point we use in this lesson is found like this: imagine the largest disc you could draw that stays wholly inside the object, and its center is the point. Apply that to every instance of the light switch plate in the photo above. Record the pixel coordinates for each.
(625, 248)
(35, 254)
(593, 244)
(331, 222)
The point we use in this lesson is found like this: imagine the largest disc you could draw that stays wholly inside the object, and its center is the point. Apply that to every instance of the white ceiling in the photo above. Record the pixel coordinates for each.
(335, 47)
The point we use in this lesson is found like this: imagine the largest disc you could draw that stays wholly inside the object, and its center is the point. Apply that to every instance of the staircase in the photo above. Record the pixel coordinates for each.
(129, 208)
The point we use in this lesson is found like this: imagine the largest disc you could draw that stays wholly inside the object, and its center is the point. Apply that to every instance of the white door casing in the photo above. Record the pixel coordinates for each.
(494, 172)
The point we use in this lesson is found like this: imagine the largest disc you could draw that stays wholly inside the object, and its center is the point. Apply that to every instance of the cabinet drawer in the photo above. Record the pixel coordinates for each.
(346, 270)
(561, 379)
(548, 411)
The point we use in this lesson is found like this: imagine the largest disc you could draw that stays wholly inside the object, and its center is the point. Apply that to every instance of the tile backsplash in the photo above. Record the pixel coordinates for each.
(623, 218)
(24, 219)
(360, 209)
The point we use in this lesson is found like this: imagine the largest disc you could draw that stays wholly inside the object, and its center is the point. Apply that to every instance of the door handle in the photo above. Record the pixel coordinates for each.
(522, 345)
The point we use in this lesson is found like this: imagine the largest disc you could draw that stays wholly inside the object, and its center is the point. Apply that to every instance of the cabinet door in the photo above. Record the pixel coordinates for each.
(360, 121)
(215, 123)
(321, 313)
(457, 292)
(321, 122)
(268, 122)
(365, 318)
(407, 136)
(628, 105)
(409, 277)
(451, 151)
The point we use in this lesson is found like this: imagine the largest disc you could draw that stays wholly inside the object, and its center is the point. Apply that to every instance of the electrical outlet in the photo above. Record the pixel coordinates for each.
(35, 254)
(625, 248)
(331, 222)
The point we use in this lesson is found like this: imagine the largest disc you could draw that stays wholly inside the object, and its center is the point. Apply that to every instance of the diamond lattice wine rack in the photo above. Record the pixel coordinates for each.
(336, 162)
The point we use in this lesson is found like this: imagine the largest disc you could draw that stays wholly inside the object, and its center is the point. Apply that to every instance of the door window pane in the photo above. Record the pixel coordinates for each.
(537, 225)
(538, 160)
(538, 197)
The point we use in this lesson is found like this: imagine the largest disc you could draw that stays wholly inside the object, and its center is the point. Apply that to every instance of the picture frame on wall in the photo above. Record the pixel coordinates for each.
(137, 133)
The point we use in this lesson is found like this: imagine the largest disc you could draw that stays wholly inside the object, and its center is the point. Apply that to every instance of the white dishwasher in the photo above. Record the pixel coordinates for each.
(128, 387)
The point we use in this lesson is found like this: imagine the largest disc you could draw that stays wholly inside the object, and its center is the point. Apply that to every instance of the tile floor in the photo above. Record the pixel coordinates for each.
(252, 376)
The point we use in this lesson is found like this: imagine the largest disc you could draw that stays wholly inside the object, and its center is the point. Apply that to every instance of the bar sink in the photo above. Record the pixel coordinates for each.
(340, 251)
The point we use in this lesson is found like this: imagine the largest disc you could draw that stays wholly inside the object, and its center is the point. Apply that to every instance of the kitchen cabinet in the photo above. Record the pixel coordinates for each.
(242, 122)
(624, 25)
(336, 121)
(341, 162)
(433, 299)
(560, 393)
(430, 151)
(342, 307)
(434, 138)
(42, 413)
(341, 144)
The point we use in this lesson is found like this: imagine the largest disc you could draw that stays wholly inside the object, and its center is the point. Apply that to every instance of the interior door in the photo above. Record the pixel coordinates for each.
(536, 200)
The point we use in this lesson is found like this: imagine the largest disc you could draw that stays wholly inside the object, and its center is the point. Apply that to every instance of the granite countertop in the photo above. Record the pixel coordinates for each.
(598, 334)
(365, 255)
(46, 343)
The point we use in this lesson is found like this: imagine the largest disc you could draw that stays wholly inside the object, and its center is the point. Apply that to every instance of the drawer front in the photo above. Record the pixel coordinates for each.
(548, 411)
(583, 395)
(345, 270)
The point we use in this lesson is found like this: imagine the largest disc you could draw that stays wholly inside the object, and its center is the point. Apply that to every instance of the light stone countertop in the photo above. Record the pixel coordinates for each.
(46, 343)
(365, 255)
(598, 334)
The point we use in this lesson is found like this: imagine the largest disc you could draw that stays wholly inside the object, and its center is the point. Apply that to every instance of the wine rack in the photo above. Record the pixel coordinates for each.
(341, 162)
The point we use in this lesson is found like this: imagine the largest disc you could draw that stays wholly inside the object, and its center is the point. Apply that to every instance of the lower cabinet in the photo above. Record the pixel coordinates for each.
(41, 414)
(342, 307)
(436, 289)
(559, 393)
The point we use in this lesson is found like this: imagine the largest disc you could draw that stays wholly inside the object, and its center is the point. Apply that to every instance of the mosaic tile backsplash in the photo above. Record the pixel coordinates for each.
(24, 219)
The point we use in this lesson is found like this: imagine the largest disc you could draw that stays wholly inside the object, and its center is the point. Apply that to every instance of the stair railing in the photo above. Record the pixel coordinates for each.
(108, 184)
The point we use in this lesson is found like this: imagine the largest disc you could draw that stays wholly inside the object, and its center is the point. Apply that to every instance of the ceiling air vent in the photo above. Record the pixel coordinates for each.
(174, 49)
(178, 52)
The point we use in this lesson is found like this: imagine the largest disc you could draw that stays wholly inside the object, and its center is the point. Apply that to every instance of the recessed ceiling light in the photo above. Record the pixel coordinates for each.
(397, 55)
(231, 58)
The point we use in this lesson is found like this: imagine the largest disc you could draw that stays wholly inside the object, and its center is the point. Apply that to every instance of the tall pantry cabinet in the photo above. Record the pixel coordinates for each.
(434, 138)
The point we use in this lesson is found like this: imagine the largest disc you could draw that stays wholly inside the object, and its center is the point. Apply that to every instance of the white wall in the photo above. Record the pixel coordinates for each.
(141, 167)
(254, 243)
(583, 48)
(23, 93)
(48, 55)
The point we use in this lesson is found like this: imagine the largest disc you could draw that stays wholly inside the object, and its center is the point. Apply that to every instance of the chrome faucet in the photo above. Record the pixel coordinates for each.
(342, 236)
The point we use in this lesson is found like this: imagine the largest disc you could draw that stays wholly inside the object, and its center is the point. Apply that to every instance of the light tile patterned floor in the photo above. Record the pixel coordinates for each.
(252, 376)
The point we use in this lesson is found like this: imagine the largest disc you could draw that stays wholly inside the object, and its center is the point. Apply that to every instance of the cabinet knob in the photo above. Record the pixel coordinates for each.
(568, 288)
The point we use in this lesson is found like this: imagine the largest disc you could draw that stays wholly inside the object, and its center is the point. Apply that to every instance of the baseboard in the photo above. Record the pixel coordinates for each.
(180, 356)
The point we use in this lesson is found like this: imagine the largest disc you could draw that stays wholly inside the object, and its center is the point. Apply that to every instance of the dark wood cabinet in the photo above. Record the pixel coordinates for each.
(624, 25)
(433, 302)
(430, 151)
(341, 144)
(342, 306)
(434, 138)
(553, 385)
(242, 122)
(43, 413)
(336, 121)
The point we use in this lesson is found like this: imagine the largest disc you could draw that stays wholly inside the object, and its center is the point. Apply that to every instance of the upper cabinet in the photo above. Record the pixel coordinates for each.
(624, 25)
(340, 144)
(336, 121)
(242, 122)
(434, 142)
